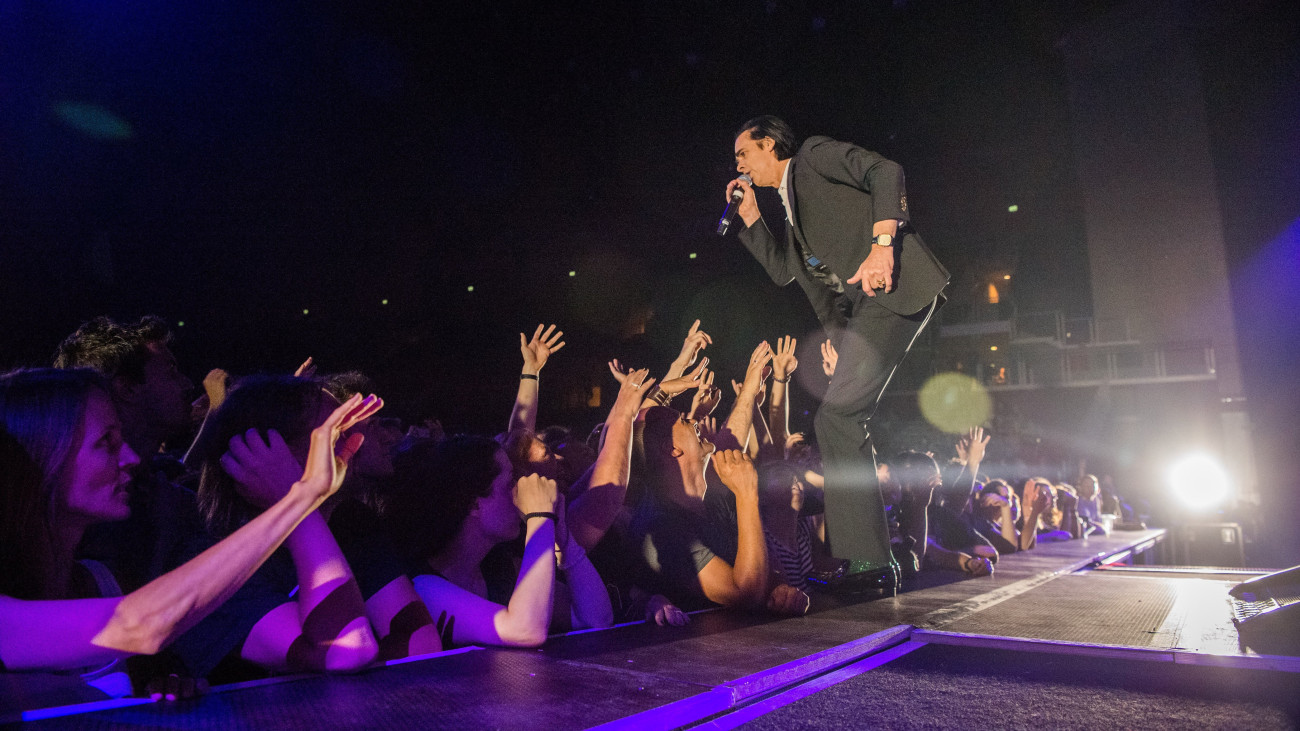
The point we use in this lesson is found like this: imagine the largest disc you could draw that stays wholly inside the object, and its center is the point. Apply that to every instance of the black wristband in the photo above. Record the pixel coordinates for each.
(552, 516)
(783, 380)
(528, 376)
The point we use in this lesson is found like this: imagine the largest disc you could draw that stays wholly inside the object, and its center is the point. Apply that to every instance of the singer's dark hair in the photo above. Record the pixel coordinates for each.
(777, 129)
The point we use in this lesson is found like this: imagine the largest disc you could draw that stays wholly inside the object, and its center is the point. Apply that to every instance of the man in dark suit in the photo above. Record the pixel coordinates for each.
(873, 284)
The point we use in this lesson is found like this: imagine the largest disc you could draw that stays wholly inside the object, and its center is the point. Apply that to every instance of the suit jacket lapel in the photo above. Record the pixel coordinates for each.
(794, 203)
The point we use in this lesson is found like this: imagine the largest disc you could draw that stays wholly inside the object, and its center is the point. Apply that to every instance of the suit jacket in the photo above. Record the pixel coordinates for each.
(838, 191)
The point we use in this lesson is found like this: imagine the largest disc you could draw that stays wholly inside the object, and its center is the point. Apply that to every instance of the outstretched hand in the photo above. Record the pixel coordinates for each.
(830, 358)
(632, 390)
(266, 469)
(674, 386)
(538, 350)
(784, 363)
(696, 340)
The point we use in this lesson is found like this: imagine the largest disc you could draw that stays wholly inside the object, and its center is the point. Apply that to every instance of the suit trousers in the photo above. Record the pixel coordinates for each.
(871, 341)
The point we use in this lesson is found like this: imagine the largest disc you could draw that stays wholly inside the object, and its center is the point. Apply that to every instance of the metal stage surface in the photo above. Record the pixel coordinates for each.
(727, 668)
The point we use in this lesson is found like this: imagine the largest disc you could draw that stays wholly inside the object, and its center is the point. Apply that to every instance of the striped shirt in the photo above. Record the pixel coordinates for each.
(795, 562)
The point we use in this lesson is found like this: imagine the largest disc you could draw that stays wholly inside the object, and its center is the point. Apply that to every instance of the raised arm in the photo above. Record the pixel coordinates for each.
(970, 453)
(536, 352)
(59, 635)
(742, 414)
(784, 364)
(595, 509)
(745, 583)
(325, 626)
(466, 618)
(696, 341)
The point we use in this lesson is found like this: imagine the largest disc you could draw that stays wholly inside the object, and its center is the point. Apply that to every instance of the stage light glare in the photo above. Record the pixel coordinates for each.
(383, 302)
(993, 347)
(180, 324)
(306, 311)
(954, 402)
(572, 273)
(1198, 481)
(1012, 208)
(694, 255)
(470, 288)
(1006, 276)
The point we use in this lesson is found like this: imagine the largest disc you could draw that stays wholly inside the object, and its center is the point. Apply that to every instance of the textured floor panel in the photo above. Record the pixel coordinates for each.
(1148, 612)
(482, 689)
(939, 687)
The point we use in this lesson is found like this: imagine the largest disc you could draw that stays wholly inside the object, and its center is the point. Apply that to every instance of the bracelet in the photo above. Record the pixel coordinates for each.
(783, 380)
(550, 516)
(528, 376)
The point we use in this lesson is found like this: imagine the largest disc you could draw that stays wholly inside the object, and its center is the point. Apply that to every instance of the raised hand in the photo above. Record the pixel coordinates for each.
(786, 599)
(306, 370)
(539, 349)
(632, 390)
(535, 494)
(784, 363)
(706, 399)
(737, 472)
(215, 386)
(708, 428)
(976, 443)
(757, 370)
(327, 460)
(618, 371)
(762, 386)
(830, 358)
(674, 386)
(696, 340)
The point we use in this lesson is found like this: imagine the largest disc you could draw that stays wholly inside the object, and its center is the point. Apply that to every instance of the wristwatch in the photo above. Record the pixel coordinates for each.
(883, 240)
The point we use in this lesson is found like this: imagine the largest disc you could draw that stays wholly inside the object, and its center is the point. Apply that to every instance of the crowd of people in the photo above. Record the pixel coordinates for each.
(282, 523)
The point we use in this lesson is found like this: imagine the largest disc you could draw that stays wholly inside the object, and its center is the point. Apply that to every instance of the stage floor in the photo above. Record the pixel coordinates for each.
(727, 668)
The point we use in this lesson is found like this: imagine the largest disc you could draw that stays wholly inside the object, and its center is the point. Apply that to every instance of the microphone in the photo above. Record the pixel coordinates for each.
(737, 196)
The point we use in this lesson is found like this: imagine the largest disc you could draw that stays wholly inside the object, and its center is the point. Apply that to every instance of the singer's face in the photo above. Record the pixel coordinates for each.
(758, 159)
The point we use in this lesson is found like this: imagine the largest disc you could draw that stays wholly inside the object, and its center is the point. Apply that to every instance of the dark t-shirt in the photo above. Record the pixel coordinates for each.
(675, 544)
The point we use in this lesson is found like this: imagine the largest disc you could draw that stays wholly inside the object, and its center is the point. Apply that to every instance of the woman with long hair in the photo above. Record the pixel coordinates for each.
(63, 467)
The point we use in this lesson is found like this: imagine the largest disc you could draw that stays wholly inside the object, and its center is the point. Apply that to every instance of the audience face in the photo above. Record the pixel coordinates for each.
(497, 512)
(694, 448)
(164, 394)
(94, 488)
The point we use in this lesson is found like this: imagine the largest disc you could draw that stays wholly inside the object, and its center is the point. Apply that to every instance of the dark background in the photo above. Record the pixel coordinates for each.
(233, 164)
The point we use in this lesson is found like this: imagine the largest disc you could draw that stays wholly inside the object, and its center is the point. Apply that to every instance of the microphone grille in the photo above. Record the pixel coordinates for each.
(745, 177)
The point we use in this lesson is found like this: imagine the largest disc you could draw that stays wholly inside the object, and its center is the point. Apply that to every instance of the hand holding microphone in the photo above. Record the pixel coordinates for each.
(737, 191)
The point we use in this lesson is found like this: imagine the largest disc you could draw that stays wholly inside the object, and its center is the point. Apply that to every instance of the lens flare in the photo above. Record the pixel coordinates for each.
(954, 402)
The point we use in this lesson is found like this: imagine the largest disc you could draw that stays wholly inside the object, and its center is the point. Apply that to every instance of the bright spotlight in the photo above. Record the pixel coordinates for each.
(1199, 481)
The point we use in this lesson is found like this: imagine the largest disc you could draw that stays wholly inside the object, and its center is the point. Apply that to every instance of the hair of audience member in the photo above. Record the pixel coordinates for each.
(437, 484)
(518, 443)
(913, 469)
(554, 435)
(347, 384)
(775, 479)
(41, 415)
(652, 446)
(776, 128)
(287, 404)
(113, 348)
